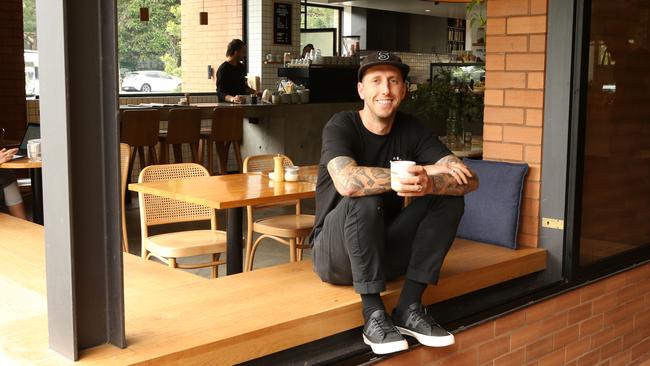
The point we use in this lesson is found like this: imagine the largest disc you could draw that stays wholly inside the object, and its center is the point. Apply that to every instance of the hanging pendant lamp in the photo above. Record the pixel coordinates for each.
(203, 16)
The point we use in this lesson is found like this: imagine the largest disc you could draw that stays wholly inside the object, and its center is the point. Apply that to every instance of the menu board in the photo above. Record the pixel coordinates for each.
(281, 23)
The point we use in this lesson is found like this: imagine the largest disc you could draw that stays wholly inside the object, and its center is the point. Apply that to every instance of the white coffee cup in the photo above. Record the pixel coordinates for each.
(399, 169)
(34, 149)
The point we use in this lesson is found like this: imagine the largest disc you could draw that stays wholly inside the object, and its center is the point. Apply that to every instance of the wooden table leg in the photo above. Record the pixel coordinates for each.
(234, 241)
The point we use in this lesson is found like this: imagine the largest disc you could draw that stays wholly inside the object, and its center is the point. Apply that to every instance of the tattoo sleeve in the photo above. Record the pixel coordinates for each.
(353, 180)
(446, 185)
(449, 159)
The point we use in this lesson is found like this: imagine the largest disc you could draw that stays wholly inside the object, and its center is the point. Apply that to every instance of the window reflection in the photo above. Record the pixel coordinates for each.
(616, 186)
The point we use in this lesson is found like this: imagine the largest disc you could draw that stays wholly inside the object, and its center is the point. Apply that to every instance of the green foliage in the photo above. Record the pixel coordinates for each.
(154, 44)
(450, 90)
(476, 11)
(318, 17)
(29, 16)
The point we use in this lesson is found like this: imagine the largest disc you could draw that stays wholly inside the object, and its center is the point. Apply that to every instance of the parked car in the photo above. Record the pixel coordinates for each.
(150, 81)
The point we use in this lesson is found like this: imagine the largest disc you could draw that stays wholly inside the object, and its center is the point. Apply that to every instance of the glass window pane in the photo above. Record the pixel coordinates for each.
(616, 185)
(31, 51)
(318, 17)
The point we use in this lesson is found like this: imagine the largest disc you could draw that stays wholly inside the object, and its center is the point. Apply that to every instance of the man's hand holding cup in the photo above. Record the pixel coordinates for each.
(408, 179)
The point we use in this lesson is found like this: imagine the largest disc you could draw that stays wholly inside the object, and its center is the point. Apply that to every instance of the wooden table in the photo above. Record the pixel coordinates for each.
(232, 192)
(37, 183)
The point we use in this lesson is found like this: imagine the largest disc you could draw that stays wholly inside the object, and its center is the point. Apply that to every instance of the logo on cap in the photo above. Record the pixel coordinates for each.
(383, 55)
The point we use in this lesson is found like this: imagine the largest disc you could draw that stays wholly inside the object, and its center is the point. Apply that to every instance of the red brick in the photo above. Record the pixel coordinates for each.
(627, 293)
(524, 98)
(495, 62)
(515, 358)
(568, 300)
(537, 43)
(634, 306)
(509, 322)
(557, 358)
(405, 358)
(642, 319)
(591, 325)
(614, 283)
(592, 291)
(507, 44)
(475, 335)
(503, 115)
(579, 313)
(535, 80)
(538, 7)
(534, 117)
(499, 151)
(526, 335)
(589, 359)
(492, 132)
(615, 315)
(623, 328)
(640, 350)
(490, 350)
(610, 349)
(635, 337)
(531, 190)
(533, 154)
(504, 80)
(577, 349)
(467, 358)
(602, 337)
(620, 359)
(507, 7)
(493, 97)
(539, 348)
(559, 321)
(495, 26)
(604, 303)
(565, 336)
(526, 25)
(522, 135)
(635, 275)
(540, 311)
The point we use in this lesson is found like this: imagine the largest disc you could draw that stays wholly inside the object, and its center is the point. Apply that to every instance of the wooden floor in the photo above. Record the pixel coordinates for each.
(178, 318)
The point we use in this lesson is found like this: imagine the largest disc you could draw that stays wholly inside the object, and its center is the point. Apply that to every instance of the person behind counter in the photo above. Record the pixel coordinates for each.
(9, 193)
(308, 48)
(231, 75)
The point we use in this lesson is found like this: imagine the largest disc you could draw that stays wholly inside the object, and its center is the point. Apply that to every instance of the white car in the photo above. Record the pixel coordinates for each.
(150, 81)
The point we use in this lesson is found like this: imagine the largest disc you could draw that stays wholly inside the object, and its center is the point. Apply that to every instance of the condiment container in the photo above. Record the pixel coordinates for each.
(278, 172)
(291, 173)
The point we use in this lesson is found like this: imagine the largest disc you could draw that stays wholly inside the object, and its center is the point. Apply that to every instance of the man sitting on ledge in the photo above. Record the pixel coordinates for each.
(363, 235)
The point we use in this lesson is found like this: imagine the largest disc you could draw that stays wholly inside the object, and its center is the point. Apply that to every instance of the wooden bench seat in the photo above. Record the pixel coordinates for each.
(181, 319)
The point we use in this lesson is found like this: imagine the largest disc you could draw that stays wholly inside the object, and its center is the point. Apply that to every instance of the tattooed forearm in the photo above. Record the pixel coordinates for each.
(446, 185)
(352, 180)
(449, 159)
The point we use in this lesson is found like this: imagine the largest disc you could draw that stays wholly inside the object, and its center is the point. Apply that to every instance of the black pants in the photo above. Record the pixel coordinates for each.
(364, 246)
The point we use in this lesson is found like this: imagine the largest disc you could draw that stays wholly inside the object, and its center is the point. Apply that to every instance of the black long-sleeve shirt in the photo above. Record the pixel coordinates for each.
(231, 80)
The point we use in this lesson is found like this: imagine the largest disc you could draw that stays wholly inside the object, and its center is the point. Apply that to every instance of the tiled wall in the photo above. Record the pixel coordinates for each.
(12, 77)
(604, 323)
(514, 96)
(419, 63)
(269, 72)
(204, 45)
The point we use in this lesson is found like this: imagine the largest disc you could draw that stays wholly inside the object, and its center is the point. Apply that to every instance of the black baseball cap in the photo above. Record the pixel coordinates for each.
(383, 58)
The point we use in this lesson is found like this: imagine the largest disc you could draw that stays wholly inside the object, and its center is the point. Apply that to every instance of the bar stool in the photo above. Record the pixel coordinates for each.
(227, 129)
(139, 129)
(183, 127)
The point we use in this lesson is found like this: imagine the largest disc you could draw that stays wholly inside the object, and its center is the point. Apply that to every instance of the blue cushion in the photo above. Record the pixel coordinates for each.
(492, 211)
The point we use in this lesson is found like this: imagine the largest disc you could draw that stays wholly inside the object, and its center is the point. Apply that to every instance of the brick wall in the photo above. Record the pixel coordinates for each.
(514, 96)
(604, 323)
(12, 64)
(204, 45)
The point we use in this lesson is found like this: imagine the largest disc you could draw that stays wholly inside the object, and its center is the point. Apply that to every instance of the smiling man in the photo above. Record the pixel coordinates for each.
(364, 236)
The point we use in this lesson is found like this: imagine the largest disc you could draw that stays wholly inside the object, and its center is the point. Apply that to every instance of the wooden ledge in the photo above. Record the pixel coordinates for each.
(180, 319)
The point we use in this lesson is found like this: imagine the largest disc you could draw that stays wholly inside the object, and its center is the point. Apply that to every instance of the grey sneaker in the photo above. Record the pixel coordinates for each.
(417, 323)
(381, 335)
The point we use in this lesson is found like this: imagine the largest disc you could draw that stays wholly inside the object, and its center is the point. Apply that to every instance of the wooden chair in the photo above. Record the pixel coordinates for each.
(183, 127)
(156, 210)
(227, 129)
(139, 129)
(124, 172)
(291, 230)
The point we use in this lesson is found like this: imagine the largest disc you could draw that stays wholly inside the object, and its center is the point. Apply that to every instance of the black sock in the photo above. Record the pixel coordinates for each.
(411, 293)
(371, 302)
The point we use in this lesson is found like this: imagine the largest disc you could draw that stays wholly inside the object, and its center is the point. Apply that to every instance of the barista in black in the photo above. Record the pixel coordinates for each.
(363, 234)
(231, 75)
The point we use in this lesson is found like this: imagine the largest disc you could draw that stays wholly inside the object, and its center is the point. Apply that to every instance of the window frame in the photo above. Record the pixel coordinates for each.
(337, 34)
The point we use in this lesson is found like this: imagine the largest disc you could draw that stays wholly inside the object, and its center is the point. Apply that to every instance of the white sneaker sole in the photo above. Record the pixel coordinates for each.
(384, 348)
(430, 341)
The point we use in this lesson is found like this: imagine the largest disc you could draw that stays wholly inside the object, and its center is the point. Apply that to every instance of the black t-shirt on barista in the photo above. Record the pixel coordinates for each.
(345, 135)
(231, 80)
